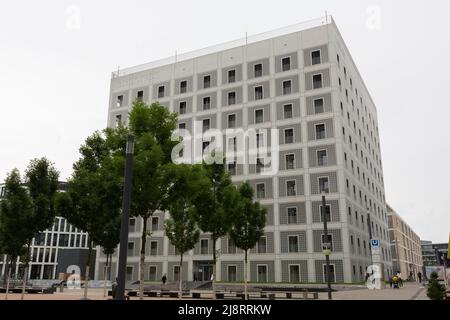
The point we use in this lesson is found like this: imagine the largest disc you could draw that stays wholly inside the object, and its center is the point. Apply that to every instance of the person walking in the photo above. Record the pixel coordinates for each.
(400, 280)
(164, 279)
(419, 276)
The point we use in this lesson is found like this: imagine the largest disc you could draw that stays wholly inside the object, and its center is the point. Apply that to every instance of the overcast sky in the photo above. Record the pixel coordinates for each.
(56, 59)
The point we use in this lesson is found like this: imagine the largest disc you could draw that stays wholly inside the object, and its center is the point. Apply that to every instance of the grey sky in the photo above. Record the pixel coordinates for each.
(55, 75)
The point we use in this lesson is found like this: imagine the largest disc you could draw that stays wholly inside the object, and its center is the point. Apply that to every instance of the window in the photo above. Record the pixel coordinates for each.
(183, 86)
(132, 224)
(231, 76)
(260, 190)
(315, 57)
(155, 223)
(206, 124)
(152, 273)
(160, 91)
(287, 86)
(153, 248)
(205, 145)
(258, 93)
(176, 273)
(258, 70)
(206, 81)
(286, 64)
(259, 165)
(294, 273)
(332, 273)
(232, 120)
(338, 60)
(327, 244)
(118, 119)
(262, 245)
(327, 212)
(231, 97)
(119, 101)
(322, 158)
(293, 243)
(232, 271)
(204, 246)
(231, 247)
(232, 168)
(129, 273)
(320, 131)
(140, 95)
(259, 115)
(292, 215)
(289, 135)
(287, 111)
(130, 247)
(290, 188)
(182, 125)
(206, 103)
(262, 272)
(259, 140)
(290, 161)
(324, 185)
(183, 107)
(317, 81)
(318, 105)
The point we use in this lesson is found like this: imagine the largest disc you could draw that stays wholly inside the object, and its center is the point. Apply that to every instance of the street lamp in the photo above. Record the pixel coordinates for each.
(327, 245)
(126, 203)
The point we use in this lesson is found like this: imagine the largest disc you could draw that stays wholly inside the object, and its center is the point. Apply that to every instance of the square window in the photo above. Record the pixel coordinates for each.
(258, 70)
(119, 101)
(258, 93)
(318, 105)
(231, 247)
(232, 168)
(262, 245)
(259, 115)
(287, 87)
(287, 111)
(259, 165)
(160, 91)
(322, 158)
(260, 190)
(206, 124)
(182, 125)
(327, 244)
(129, 275)
(231, 76)
(315, 57)
(286, 64)
(289, 135)
(320, 131)
(176, 273)
(262, 273)
(155, 223)
(204, 246)
(206, 81)
(259, 140)
(293, 243)
(232, 271)
(290, 161)
(292, 215)
(231, 97)
(152, 273)
(317, 81)
(140, 95)
(130, 246)
(327, 213)
(324, 185)
(118, 119)
(183, 107)
(183, 86)
(206, 103)
(294, 273)
(290, 188)
(232, 120)
(153, 248)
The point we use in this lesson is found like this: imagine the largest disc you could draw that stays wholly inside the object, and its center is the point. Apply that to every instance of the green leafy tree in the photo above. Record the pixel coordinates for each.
(41, 179)
(213, 213)
(152, 126)
(15, 216)
(435, 290)
(93, 197)
(249, 220)
(186, 181)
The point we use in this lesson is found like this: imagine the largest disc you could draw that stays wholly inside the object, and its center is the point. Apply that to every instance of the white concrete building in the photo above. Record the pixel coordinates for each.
(301, 80)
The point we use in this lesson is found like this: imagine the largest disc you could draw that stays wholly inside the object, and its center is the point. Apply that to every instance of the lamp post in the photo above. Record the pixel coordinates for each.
(126, 204)
(327, 247)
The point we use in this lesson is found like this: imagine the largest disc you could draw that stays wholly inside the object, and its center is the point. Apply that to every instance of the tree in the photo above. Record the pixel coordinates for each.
(94, 193)
(152, 126)
(213, 213)
(181, 228)
(41, 179)
(15, 216)
(435, 290)
(249, 220)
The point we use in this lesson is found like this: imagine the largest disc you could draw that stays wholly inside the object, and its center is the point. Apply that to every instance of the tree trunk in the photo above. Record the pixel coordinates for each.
(25, 275)
(142, 259)
(86, 274)
(245, 275)
(109, 267)
(214, 269)
(181, 276)
(8, 276)
(6, 271)
(105, 268)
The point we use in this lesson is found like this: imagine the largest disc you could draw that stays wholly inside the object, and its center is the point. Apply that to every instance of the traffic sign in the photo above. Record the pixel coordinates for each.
(375, 243)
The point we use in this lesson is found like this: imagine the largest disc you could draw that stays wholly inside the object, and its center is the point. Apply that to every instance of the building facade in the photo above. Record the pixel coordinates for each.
(405, 246)
(435, 254)
(301, 81)
(47, 246)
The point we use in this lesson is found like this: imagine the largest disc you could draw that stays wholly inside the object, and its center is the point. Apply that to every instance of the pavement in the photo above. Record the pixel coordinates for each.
(410, 291)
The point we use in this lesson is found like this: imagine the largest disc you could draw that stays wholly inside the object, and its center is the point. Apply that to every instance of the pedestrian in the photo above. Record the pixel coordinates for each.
(419, 276)
(164, 279)
(400, 280)
(390, 281)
